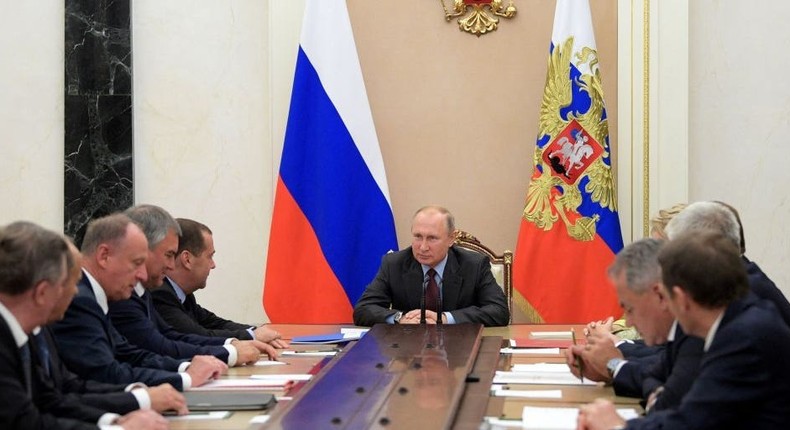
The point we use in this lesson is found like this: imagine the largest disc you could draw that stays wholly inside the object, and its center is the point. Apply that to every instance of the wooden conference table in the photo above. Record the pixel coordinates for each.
(505, 407)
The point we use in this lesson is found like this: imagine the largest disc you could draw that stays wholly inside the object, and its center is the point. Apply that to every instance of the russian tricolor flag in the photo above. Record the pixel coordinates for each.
(332, 219)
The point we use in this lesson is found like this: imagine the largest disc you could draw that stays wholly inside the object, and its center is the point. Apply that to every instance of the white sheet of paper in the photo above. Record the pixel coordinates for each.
(269, 363)
(541, 367)
(353, 332)
(196, 416)
(550, 335)
(546, 418)
(242, 384)
(308, 353)
(495, 423)
(287, 376)
(260, 419)
(529, 394)
(530, 351)
(553, 378)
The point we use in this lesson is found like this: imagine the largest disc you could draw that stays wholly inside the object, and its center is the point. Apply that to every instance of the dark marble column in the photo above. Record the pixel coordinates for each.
(98, 111)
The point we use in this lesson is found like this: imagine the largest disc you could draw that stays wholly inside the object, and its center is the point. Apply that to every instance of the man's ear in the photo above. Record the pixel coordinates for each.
(185, 258)
(40, 292)
(102, 255)
(683, 299)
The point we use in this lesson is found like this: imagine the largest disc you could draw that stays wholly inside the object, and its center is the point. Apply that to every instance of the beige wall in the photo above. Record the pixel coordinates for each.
(237, 66)
(457, 115)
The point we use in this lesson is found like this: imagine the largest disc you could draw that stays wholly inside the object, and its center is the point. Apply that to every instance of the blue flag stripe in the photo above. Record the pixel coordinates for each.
(329, 180)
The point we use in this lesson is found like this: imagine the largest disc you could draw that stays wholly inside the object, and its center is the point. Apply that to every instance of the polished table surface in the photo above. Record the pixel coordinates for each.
(503, 407)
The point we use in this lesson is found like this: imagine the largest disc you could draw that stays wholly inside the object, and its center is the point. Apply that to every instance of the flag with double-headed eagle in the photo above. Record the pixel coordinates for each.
(569, 231)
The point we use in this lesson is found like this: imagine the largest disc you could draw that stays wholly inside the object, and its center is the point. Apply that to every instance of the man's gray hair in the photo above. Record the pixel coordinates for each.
(154, 221)
(639, 262)
(705, 216)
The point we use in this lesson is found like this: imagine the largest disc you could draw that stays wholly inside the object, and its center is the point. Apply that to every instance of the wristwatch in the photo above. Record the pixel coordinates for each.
(612, 365)
(397, 317)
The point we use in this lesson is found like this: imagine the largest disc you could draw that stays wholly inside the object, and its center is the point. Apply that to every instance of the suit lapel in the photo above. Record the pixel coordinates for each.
(451, 282)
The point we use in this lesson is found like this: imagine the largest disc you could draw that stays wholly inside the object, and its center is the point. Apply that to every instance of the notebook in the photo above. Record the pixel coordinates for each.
(228, 401)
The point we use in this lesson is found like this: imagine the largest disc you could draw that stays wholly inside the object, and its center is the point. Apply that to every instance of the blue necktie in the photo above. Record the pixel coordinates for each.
(43, 352)
(24, 351)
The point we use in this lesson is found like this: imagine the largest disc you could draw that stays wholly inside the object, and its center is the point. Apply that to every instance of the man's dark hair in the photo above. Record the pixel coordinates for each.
(705, 264)
(30, 254)
(192, 236)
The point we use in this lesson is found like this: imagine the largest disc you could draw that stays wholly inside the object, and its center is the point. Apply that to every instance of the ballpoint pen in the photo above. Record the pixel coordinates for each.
(578, 358)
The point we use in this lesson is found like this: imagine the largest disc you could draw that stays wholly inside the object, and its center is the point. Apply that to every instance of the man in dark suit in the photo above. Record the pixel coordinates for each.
(636, 276)
(137, 319)
(175, 298)
(465, 289)
(743, 372)
(116, 398)
(114, 252)
(33, 281)
(723, 218)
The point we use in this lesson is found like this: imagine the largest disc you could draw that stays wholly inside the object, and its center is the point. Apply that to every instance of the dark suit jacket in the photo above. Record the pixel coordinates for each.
(109, 397)
(675, 368)
(91, 347)
(137, 320)
(764, 288)
(742, 380)
(469, 291)
(190, 317)
(17, 408)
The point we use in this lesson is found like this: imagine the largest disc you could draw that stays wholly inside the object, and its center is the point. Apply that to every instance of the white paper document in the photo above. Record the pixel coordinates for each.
(242, 384)
(196, 416)
(551, 334)
(286, 376)
(541, 367)
(530, 351)
(353, 333)
(553, 378)
(547, 418)
(528, 394)
(308, 353)
(269, 363)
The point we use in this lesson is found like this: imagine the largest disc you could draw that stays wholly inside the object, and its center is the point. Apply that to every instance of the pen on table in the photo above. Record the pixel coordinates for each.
(578, 358)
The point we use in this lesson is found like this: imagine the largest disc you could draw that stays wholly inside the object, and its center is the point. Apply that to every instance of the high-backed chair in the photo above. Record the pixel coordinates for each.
(501, 265)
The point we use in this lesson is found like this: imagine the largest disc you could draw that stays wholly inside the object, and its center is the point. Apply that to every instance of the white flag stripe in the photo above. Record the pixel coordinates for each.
(328, 41)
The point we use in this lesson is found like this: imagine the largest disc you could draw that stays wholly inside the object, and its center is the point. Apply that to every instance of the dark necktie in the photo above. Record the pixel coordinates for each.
(431, 292)
(43, 351)
(24, 351)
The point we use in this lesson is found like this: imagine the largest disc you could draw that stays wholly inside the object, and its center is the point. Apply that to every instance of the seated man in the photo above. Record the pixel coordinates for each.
(175, 299)
(137, 319)
(33, 280)
(454, 283)
(724, 219)
(742, 376)
(115, 398)
(636, 276)
(114, 252)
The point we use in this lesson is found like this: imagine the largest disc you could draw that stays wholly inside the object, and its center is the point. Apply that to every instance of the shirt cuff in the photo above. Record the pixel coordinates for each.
(143, 398)
(186, 380)
(233, 355)
(617, 369)
(108, 419)
(449, 317)
(183, 366)
(622, 341)
(390, 319)
(229, 340)
(251, 331)
(133, 386)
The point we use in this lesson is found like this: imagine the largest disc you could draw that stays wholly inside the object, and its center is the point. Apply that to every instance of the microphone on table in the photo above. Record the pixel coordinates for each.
(422, 299)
